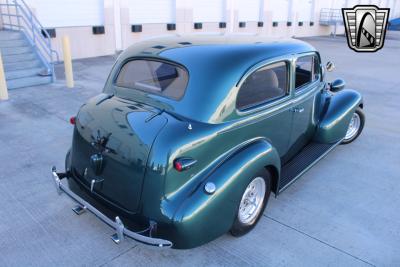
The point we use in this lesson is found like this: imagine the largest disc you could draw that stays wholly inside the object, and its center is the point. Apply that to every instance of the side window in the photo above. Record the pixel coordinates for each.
(307, 70)
(264, 85)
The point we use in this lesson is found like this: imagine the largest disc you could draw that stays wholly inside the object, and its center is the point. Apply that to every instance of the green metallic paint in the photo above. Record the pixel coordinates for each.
(230, 146)
(199, 210)
(307, 98)
(214, 63)
(339, 110)
(128, 147)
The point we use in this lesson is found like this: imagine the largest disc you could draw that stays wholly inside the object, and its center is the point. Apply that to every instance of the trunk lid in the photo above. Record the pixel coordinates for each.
(111, 144)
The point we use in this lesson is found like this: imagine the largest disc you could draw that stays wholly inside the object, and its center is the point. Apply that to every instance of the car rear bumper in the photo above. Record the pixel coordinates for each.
(117, 225)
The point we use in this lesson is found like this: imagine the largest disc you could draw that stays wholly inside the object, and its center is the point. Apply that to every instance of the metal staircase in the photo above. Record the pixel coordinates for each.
(25, 47)
(331, 16)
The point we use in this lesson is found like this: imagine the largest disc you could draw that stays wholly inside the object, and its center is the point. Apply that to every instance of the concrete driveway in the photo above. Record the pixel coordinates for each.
(343, 212)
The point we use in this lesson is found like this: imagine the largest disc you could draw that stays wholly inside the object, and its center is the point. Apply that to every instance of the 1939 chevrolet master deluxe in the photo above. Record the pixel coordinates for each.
(191, 135)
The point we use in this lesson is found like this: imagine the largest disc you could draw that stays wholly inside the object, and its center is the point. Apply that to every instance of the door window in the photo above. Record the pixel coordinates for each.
(307, 71)
(264, 85)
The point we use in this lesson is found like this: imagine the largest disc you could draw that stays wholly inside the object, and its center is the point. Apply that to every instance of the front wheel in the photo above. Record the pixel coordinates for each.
(355, 127)
(252, 204)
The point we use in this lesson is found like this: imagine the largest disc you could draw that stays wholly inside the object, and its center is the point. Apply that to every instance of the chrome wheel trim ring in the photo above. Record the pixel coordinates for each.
(252, 201)
(354, 127)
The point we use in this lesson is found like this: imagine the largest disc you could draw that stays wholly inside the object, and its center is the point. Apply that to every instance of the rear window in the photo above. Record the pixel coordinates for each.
(155, 77)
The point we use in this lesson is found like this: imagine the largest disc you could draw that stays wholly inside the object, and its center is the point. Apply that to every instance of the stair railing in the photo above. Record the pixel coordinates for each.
(331, 16)
(16, 15)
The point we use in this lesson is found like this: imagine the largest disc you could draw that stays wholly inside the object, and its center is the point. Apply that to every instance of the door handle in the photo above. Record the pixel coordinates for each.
(297, 110)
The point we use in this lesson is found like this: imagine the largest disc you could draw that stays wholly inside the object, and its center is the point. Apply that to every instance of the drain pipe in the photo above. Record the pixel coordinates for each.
(3, 84)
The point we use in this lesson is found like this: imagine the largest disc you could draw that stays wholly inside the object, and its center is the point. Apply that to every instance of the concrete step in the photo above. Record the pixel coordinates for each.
(13, 43)
(28, 81)
(22, 65)
(16, 74)
(16, 50)
(10, 35)
(18, 57)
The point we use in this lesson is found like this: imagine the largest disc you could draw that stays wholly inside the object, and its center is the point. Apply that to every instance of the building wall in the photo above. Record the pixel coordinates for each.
(118, 34)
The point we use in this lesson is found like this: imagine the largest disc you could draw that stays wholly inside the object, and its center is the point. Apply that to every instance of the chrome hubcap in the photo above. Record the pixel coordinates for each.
(252, 201)
(354, 126)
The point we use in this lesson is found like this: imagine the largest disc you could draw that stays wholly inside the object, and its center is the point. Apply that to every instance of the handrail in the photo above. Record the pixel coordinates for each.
(330, 16)
(33, 17)
(26, 22)
(39, 31)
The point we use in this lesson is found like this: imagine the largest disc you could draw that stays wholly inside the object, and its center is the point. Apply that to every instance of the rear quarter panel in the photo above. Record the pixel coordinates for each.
(216, 148)
(203, 217)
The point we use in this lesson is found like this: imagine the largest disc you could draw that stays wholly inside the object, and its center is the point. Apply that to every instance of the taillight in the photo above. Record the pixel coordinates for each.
(178, 166)
(182, 164)
(72, 120)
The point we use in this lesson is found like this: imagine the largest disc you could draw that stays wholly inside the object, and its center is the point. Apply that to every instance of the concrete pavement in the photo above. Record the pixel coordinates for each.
(343, 212)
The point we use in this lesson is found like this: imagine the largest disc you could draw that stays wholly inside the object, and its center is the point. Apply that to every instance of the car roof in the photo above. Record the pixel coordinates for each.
(215, 64)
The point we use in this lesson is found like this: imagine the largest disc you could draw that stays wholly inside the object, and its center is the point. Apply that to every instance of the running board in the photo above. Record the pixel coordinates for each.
(302, 162)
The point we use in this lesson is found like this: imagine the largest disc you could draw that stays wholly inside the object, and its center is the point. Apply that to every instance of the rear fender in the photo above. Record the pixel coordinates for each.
(339, 109)
(203, 217)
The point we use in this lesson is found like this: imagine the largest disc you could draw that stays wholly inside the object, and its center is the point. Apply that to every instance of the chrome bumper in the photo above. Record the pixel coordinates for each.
(120, 230)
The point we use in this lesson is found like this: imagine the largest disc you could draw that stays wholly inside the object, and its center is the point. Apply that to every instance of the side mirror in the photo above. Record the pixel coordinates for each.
(337, 85)
(330, 66)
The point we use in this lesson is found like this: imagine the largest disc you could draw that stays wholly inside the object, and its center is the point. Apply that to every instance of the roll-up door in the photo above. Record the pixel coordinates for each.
(249, 10)
(384, 3)
(69, 13)
(303, 7)
(209, 10)
(279, 9)
(351, 3)
(339, 4)
(376, 3)
(151, 11)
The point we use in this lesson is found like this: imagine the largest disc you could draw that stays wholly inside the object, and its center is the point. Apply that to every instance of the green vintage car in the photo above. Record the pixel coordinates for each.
(192, 134)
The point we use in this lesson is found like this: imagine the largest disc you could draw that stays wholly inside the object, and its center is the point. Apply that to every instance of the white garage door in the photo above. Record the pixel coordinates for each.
(279, 9)
(364, 2)
(384, 3)
(394, 6)
(303, 7)
(352, 3)
(209, 10)
(69, 13)
(249, 10)
(375, 2)
(151, 11)
(339, 3)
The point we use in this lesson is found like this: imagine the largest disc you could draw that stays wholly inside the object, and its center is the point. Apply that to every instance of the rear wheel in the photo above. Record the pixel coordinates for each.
(252, 204)
(356, 126)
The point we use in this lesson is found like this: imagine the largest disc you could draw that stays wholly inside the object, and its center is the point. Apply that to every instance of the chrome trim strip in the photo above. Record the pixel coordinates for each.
(117, 225)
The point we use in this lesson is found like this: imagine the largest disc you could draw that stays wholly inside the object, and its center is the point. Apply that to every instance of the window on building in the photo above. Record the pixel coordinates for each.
(264, 85)
(154, 77)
